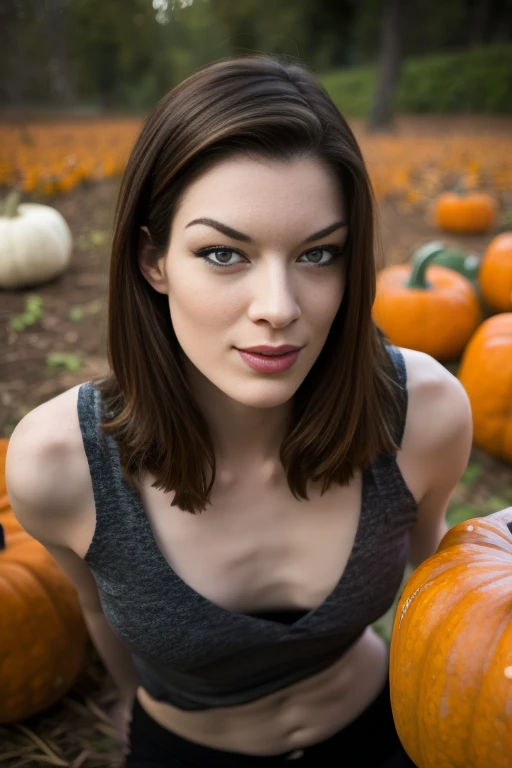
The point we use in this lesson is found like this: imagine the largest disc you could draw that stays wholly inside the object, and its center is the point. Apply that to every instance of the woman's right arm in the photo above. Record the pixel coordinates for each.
(47, 497)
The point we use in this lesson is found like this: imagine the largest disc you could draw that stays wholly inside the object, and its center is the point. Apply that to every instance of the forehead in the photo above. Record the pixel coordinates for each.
(243, 187)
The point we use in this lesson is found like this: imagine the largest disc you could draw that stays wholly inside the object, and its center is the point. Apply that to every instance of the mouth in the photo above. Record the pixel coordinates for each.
(274, 361)
(267, 351)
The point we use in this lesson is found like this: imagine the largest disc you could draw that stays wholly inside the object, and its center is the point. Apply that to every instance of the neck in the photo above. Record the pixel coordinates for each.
(243, 436)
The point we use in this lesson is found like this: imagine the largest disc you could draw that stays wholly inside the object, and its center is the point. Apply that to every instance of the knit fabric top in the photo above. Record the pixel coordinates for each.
(197, 655)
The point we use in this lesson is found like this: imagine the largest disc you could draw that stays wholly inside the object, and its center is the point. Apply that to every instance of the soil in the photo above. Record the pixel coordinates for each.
(27, 380)
(75, 732)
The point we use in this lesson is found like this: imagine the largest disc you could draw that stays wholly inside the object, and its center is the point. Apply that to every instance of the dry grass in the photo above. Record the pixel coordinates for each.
(75, 732)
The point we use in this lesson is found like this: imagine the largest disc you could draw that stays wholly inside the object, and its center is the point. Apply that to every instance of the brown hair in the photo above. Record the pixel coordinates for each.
(346, 410)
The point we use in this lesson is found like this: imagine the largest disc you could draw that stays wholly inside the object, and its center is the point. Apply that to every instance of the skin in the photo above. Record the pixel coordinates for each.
(272, 294)
(293, 552)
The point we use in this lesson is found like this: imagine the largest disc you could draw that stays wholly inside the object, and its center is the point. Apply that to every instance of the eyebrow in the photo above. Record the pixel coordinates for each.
(235, 235)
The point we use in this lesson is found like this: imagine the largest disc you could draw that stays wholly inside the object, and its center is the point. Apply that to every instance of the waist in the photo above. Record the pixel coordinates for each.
(292, 717)
(243, 676)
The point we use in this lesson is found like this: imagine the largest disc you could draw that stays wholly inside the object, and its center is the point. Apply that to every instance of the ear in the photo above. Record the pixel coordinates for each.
(152, 262)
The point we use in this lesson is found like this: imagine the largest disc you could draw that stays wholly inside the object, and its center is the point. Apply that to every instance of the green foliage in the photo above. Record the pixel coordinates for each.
(478, 80)
(351, 89)
(71, 363)
(474, 470)
(33, 312)
(460, 512)
(76, 314)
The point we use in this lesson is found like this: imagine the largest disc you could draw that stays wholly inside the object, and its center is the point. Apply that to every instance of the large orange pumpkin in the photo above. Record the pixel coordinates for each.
(465, 212)
(43, 637)
(495, 277)
(451, 651)
(437, 315)
(485, 373)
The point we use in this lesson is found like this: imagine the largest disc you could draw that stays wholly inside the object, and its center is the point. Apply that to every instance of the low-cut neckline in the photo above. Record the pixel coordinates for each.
(207, 603)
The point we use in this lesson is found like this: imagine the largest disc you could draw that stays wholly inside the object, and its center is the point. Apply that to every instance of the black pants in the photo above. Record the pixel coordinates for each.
(369, 740)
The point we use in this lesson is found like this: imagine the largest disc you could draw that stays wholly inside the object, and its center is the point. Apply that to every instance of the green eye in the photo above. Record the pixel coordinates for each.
(222, 252)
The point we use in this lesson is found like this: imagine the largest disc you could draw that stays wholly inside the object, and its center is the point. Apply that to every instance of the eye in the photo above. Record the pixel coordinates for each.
(220, 252)
(333, 250)
(224, 255)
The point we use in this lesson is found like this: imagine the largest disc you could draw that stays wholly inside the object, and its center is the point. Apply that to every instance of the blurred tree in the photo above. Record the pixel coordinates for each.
(389, 65)
(126, 54)
(52, 18)
(13, 62)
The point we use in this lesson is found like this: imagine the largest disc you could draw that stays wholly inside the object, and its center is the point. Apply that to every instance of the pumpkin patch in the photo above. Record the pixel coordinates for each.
(43, 637)
(451, 651)
(465, 212)
(495, 277)
(486, 374)
(35, 244)
(425, 306)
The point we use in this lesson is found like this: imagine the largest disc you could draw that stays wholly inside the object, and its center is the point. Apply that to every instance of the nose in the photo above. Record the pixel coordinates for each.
(273, 296)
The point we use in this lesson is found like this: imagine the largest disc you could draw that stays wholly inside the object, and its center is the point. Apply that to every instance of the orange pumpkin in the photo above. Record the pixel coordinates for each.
(465, 212)
(43, 637)
(451, 651)
(485, 373)
(495, 276)
(437, 316)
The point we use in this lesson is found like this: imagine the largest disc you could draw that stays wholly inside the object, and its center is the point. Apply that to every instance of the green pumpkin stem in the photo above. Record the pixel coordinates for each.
(11, 204)
(2, 538)
(420, 261)
(460, 188)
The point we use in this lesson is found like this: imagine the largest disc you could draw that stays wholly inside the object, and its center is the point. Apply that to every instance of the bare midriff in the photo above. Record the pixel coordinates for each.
(295, 717)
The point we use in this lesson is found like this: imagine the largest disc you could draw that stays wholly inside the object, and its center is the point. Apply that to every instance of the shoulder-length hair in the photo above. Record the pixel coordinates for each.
(346, 410)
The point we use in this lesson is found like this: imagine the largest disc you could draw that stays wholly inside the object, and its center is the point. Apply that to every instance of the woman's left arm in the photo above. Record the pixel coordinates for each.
(439, 435)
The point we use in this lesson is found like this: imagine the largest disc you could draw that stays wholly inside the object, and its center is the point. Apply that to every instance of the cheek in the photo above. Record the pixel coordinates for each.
(323, 308)
(199, 312)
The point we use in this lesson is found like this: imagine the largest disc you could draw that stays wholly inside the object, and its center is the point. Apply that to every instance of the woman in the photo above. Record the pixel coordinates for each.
(235, 520)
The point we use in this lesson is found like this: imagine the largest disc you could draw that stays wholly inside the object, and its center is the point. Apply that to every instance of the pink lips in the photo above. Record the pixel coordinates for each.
(270, 362)
(265, 349)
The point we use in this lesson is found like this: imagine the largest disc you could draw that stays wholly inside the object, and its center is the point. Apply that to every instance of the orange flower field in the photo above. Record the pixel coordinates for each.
(52, 157)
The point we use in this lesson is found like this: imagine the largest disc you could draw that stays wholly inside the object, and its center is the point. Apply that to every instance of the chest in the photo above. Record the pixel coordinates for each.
(257, 547)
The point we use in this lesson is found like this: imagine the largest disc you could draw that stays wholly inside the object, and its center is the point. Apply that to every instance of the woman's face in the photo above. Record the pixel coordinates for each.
(268, 288)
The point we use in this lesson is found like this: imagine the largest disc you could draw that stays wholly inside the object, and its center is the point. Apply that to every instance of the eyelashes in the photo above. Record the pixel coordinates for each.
(204, 253)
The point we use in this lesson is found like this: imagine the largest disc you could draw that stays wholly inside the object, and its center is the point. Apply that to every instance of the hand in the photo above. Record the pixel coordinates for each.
(120, 716)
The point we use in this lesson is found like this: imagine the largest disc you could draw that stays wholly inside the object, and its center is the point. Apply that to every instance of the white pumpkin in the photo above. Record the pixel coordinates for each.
(35, 244)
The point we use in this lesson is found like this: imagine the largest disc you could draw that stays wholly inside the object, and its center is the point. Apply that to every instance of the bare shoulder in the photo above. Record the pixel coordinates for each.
(438, 403)
(439, 426)
(46, 469)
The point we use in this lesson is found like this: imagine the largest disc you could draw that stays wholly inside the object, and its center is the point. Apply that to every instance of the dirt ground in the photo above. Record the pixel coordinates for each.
(26, 380)
(75, 732)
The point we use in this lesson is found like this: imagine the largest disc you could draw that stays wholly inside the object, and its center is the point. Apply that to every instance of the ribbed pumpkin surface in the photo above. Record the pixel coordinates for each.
(438, 321)
(495, 275)
(467, 213)
(485, 373)
(43, 638)
(451, 652)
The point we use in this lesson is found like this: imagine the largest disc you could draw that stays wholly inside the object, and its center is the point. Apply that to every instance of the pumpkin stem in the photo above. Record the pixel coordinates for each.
(460, 188)
(420, 261)
(11, 204)
(2, 538)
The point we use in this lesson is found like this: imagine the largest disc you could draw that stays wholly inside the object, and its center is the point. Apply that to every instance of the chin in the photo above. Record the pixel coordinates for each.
(265, 394)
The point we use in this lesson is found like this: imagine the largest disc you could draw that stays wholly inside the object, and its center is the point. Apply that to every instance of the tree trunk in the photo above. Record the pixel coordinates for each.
(389, 66)
(54, 24)
(13, 60)
(479, 22)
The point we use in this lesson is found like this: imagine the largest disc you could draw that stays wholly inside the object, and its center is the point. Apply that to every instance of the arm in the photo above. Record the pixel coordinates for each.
(112, 651)
(439, 435)
(47, 497)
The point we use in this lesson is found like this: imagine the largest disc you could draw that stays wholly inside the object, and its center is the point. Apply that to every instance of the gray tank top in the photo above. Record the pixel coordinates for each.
(196, 655)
